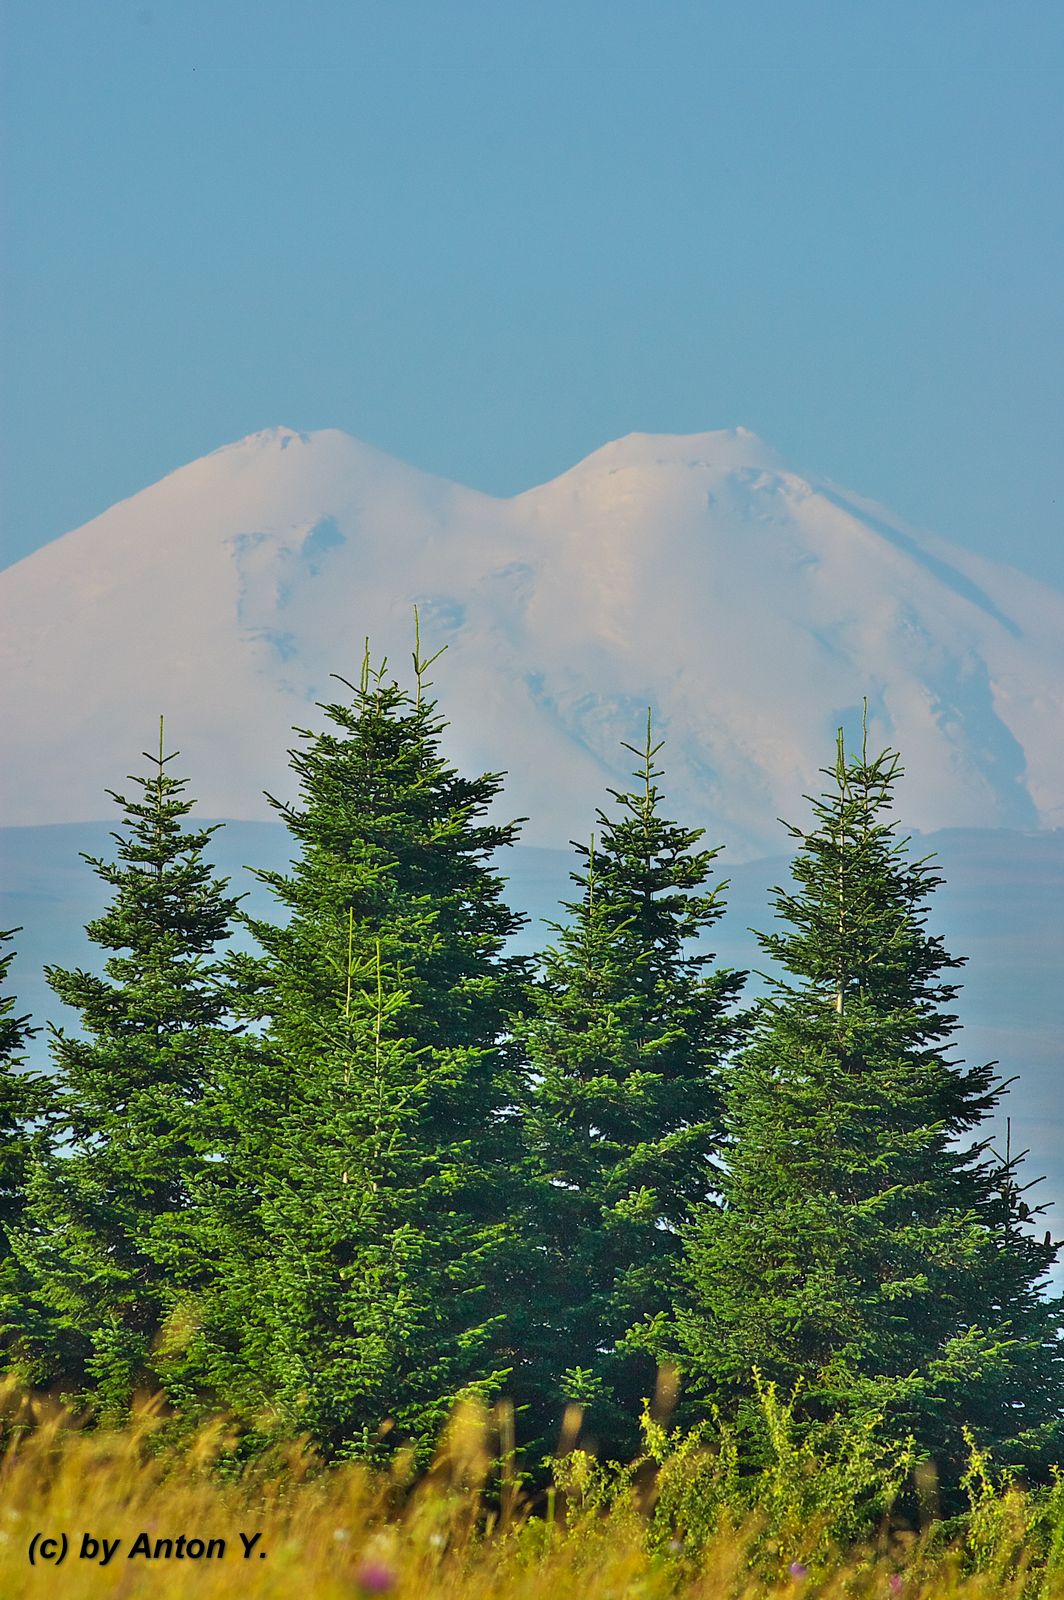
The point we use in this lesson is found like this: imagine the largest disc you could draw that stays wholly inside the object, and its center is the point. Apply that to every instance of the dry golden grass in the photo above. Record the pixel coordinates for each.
(347, 1531)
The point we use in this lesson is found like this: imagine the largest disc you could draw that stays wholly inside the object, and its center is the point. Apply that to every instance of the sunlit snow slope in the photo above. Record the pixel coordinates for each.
(752, 607)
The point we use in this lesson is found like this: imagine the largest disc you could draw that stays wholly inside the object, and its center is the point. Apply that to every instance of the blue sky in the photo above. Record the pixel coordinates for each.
(488, 237)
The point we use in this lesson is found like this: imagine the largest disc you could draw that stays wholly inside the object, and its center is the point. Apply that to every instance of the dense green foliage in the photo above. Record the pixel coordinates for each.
(381, 1163)
(363, 1244)
(625, 1042)
(864, 1249)
(107, 1233)
(25, 1099)
(22, 1099)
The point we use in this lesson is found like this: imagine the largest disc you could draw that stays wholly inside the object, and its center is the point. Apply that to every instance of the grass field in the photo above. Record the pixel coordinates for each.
(189, 1523)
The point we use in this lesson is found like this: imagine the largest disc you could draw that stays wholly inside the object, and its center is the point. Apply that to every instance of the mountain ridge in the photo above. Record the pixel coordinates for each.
(753, 607)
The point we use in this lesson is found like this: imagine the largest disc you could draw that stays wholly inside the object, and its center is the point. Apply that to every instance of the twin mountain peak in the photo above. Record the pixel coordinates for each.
(752, 607)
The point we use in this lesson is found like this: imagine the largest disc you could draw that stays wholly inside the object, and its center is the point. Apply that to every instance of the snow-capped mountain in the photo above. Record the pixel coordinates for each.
(752, 607)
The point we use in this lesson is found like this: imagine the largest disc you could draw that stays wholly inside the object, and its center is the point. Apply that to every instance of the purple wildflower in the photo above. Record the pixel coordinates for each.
(895, 1583)
(798, 1570)
(374, 1578)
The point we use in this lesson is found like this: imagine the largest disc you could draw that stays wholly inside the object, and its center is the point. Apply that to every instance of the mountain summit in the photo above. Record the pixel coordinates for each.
(751, 606)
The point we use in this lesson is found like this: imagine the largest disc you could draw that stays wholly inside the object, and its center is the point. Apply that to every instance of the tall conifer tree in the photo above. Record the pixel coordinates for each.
(25, 1097)
(108, 1236)
(867, 1250)
(367, 1238)
(625, 1047)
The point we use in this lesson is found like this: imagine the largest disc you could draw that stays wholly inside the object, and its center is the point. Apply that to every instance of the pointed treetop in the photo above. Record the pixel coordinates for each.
(422, 666)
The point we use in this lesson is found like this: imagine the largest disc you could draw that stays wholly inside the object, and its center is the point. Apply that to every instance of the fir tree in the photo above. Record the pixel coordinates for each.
(107, 1236)
(625, 1046)
(24, 1100)
(365, 1243)
(867, 1250)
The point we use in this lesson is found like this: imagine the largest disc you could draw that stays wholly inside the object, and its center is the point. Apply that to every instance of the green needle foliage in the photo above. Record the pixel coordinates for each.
(866, 1251)
(107, 1235)
(23, 1098)
(15, 1032)
(365, 1244)
(625, 1046)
